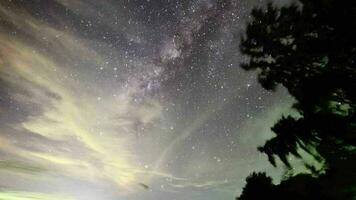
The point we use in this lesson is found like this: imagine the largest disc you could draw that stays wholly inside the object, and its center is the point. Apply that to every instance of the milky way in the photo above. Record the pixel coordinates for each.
(129, 100)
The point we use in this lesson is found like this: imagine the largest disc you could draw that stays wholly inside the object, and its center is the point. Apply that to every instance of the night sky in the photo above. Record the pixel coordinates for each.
(130, 99)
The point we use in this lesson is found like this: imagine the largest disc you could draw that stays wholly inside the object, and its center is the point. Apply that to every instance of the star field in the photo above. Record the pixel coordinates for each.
(129, 100)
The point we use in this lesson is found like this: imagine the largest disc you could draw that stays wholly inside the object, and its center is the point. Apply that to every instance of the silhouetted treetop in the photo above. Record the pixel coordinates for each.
(257, 185)
(310, 49)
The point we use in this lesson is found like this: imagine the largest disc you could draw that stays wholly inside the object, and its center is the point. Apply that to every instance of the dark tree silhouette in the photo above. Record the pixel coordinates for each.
(258, 186)
(310, 50)
(303, 186)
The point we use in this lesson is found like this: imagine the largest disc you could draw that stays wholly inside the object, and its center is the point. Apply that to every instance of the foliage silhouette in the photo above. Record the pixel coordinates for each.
(310, 49)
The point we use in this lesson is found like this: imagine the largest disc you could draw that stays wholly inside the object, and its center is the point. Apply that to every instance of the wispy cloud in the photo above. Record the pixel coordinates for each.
(19, 195)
